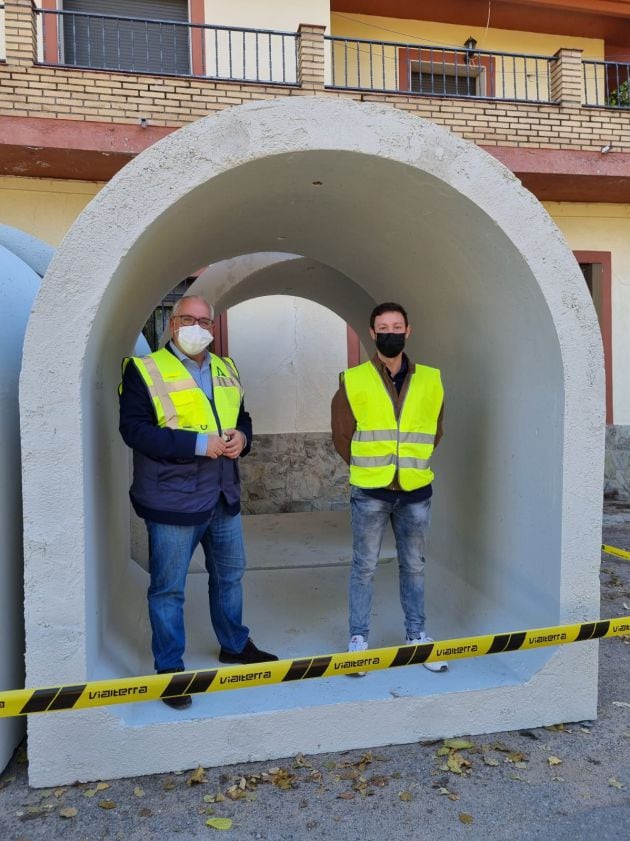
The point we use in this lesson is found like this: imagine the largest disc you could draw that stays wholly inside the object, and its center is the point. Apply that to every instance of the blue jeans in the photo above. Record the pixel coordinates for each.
(171, 548)
(410, 522)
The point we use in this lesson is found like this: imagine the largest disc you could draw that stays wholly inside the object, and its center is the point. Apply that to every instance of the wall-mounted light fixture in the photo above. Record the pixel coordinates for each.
(471, 45)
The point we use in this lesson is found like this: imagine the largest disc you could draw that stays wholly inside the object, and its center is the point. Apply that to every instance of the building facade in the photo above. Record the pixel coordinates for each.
(542, 85)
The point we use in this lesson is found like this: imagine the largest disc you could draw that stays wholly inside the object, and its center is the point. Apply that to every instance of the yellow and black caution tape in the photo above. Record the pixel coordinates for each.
(615, 550)
(101, 693)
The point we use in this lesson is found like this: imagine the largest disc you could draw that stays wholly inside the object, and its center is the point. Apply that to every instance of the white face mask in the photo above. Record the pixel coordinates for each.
(194, 339)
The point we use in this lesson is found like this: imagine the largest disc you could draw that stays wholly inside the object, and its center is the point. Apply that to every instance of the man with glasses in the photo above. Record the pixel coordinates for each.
(182, 414)
(386, 422)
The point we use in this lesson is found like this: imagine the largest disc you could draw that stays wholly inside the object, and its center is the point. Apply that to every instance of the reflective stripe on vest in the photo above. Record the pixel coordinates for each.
(178, 401)
(383, 446)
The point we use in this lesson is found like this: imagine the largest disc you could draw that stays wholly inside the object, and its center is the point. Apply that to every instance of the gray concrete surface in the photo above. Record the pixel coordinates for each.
(510, 790)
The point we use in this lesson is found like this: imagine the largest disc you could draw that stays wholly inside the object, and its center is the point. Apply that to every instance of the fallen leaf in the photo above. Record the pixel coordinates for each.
(197, 777)
(346, 795)
(145, 813)
(219, 823)
(89, 792)
(168, 785)
(453, 796)
(465, 817)
(139, 792)
(406, 796)
(458, 744)
(615, 783)
(59, 791)
(235, 793)
(281, 778)
(515, 756)
(300, 761)
(554, 760)
(554, 727)
(102, 786)
(488, 760)
(106, 804)
(457, 763)
(443, 751)
(70, 812)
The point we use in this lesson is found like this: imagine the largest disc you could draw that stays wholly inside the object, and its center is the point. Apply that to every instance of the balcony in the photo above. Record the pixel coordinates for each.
(166, 47)
(269, 57)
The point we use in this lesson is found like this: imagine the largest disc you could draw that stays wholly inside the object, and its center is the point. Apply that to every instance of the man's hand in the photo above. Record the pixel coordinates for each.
(216, 446)
(236, 444)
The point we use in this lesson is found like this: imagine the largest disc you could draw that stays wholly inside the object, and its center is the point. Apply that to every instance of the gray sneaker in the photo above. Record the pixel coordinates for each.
(434, 665)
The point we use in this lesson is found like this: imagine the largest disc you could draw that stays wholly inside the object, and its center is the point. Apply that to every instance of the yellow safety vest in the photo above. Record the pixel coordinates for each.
(383, 446)
(178, 401)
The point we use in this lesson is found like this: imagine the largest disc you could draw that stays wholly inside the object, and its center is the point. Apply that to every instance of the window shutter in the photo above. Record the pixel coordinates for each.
(143, 46)
(444, 84)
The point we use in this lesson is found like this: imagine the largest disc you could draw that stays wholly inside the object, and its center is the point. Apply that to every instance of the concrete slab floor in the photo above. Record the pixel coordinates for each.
(296, 605)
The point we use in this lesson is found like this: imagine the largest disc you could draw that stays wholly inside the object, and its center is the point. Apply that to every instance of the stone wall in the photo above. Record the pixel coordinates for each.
(293, 472)
(617, 470)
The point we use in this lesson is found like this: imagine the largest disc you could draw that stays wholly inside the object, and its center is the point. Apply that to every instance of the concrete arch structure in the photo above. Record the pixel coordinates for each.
(23, 261)
(230, 282)
(403, 209)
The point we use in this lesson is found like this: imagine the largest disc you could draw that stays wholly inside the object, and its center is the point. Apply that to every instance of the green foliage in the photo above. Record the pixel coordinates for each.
(621, 96)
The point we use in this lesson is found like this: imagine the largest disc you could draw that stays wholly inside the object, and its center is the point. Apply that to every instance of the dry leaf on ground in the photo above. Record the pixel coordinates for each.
(405, 796)
(107, 804)
(70, 812)
(197, 777)
(138, 792)
(554, 760)
(615, 783)
(458, 744)
(465, 817)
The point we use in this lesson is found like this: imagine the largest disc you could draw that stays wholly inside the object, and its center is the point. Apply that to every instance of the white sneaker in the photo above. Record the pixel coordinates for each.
(434, 665)
(357, 643)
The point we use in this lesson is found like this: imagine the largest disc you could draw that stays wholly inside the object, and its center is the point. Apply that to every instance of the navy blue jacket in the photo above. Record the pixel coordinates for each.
(170, 483)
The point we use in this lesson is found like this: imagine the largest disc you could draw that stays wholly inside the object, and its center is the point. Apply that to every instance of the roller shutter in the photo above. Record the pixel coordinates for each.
(151, 43)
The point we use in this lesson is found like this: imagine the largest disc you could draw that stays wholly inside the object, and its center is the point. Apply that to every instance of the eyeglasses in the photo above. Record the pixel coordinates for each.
(189, 320)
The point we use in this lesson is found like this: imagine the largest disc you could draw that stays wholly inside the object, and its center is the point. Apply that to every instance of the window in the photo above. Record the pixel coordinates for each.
(156, 41)
(438, 72)
(597, 270)
(446, 81)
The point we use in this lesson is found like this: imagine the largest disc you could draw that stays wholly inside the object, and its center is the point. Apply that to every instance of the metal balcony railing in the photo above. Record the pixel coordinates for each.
(2, 35)
(166, 47)
(416, 69)
(606, 84)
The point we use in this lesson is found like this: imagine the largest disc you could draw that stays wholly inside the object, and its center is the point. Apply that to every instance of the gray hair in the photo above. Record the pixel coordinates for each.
(178, 303)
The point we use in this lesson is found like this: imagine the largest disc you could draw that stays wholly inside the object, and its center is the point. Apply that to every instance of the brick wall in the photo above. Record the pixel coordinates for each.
(31, 90)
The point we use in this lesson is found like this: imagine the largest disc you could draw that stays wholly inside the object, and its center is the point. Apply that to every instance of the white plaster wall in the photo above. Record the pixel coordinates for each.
(401, 209)
(606, 227)
(289, 352)
(18, 287)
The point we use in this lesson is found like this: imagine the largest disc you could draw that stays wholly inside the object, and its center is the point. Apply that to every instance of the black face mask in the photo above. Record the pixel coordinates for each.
(390, 344)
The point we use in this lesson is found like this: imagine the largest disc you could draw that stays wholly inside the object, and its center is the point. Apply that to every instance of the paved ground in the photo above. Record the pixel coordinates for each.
(569, 783)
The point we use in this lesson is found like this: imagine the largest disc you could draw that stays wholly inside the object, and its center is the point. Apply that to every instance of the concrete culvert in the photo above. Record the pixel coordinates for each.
(404, 211)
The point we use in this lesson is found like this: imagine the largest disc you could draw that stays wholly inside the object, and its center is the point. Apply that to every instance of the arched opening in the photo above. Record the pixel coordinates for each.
(391, 207)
